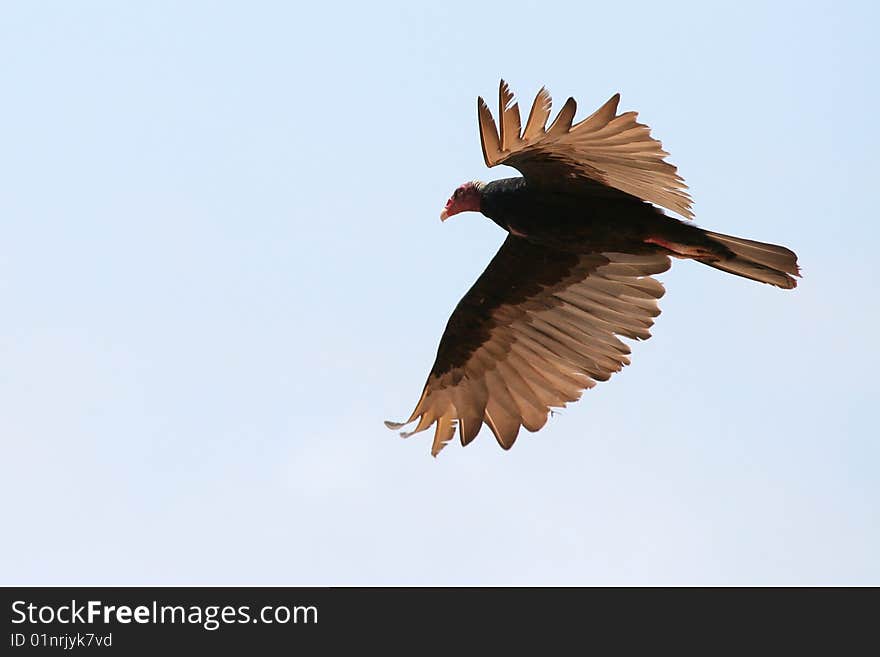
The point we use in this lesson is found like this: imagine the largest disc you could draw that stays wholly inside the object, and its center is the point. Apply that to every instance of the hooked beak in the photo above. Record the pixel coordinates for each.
(444, 215)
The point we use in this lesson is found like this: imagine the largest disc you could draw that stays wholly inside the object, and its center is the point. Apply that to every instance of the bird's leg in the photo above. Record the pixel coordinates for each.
(679, 250)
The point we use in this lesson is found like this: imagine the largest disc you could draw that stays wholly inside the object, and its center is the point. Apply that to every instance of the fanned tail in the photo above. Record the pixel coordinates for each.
(766, 263)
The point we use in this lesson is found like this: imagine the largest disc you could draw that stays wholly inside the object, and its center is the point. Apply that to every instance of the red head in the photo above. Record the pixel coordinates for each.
(465, 199)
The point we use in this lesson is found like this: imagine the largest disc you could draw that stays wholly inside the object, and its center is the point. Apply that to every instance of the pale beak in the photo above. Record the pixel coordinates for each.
(444, 215)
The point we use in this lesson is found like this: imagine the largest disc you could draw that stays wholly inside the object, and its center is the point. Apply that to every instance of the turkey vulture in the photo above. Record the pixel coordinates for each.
(585, 236)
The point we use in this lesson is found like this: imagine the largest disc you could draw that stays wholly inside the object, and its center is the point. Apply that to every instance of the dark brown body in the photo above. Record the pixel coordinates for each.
(587, 217)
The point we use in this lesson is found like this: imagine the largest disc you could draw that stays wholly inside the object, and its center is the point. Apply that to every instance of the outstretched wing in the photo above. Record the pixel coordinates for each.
(537, 328)
(606, 147)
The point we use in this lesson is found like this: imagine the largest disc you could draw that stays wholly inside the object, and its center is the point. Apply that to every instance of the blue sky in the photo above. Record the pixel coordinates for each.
(222, 268)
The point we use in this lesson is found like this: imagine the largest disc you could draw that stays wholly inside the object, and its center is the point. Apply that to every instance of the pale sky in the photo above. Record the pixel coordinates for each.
(223, 268)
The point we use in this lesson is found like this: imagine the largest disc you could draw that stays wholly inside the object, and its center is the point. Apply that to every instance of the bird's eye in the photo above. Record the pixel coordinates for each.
(457, 193)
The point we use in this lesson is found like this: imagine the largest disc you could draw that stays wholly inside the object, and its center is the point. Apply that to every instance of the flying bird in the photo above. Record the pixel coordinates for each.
(586, 234)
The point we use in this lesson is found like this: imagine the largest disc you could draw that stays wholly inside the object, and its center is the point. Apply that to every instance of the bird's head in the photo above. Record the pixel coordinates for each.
(464, 199)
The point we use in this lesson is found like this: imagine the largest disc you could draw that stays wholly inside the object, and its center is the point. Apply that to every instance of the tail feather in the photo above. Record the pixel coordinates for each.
(766, 263)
